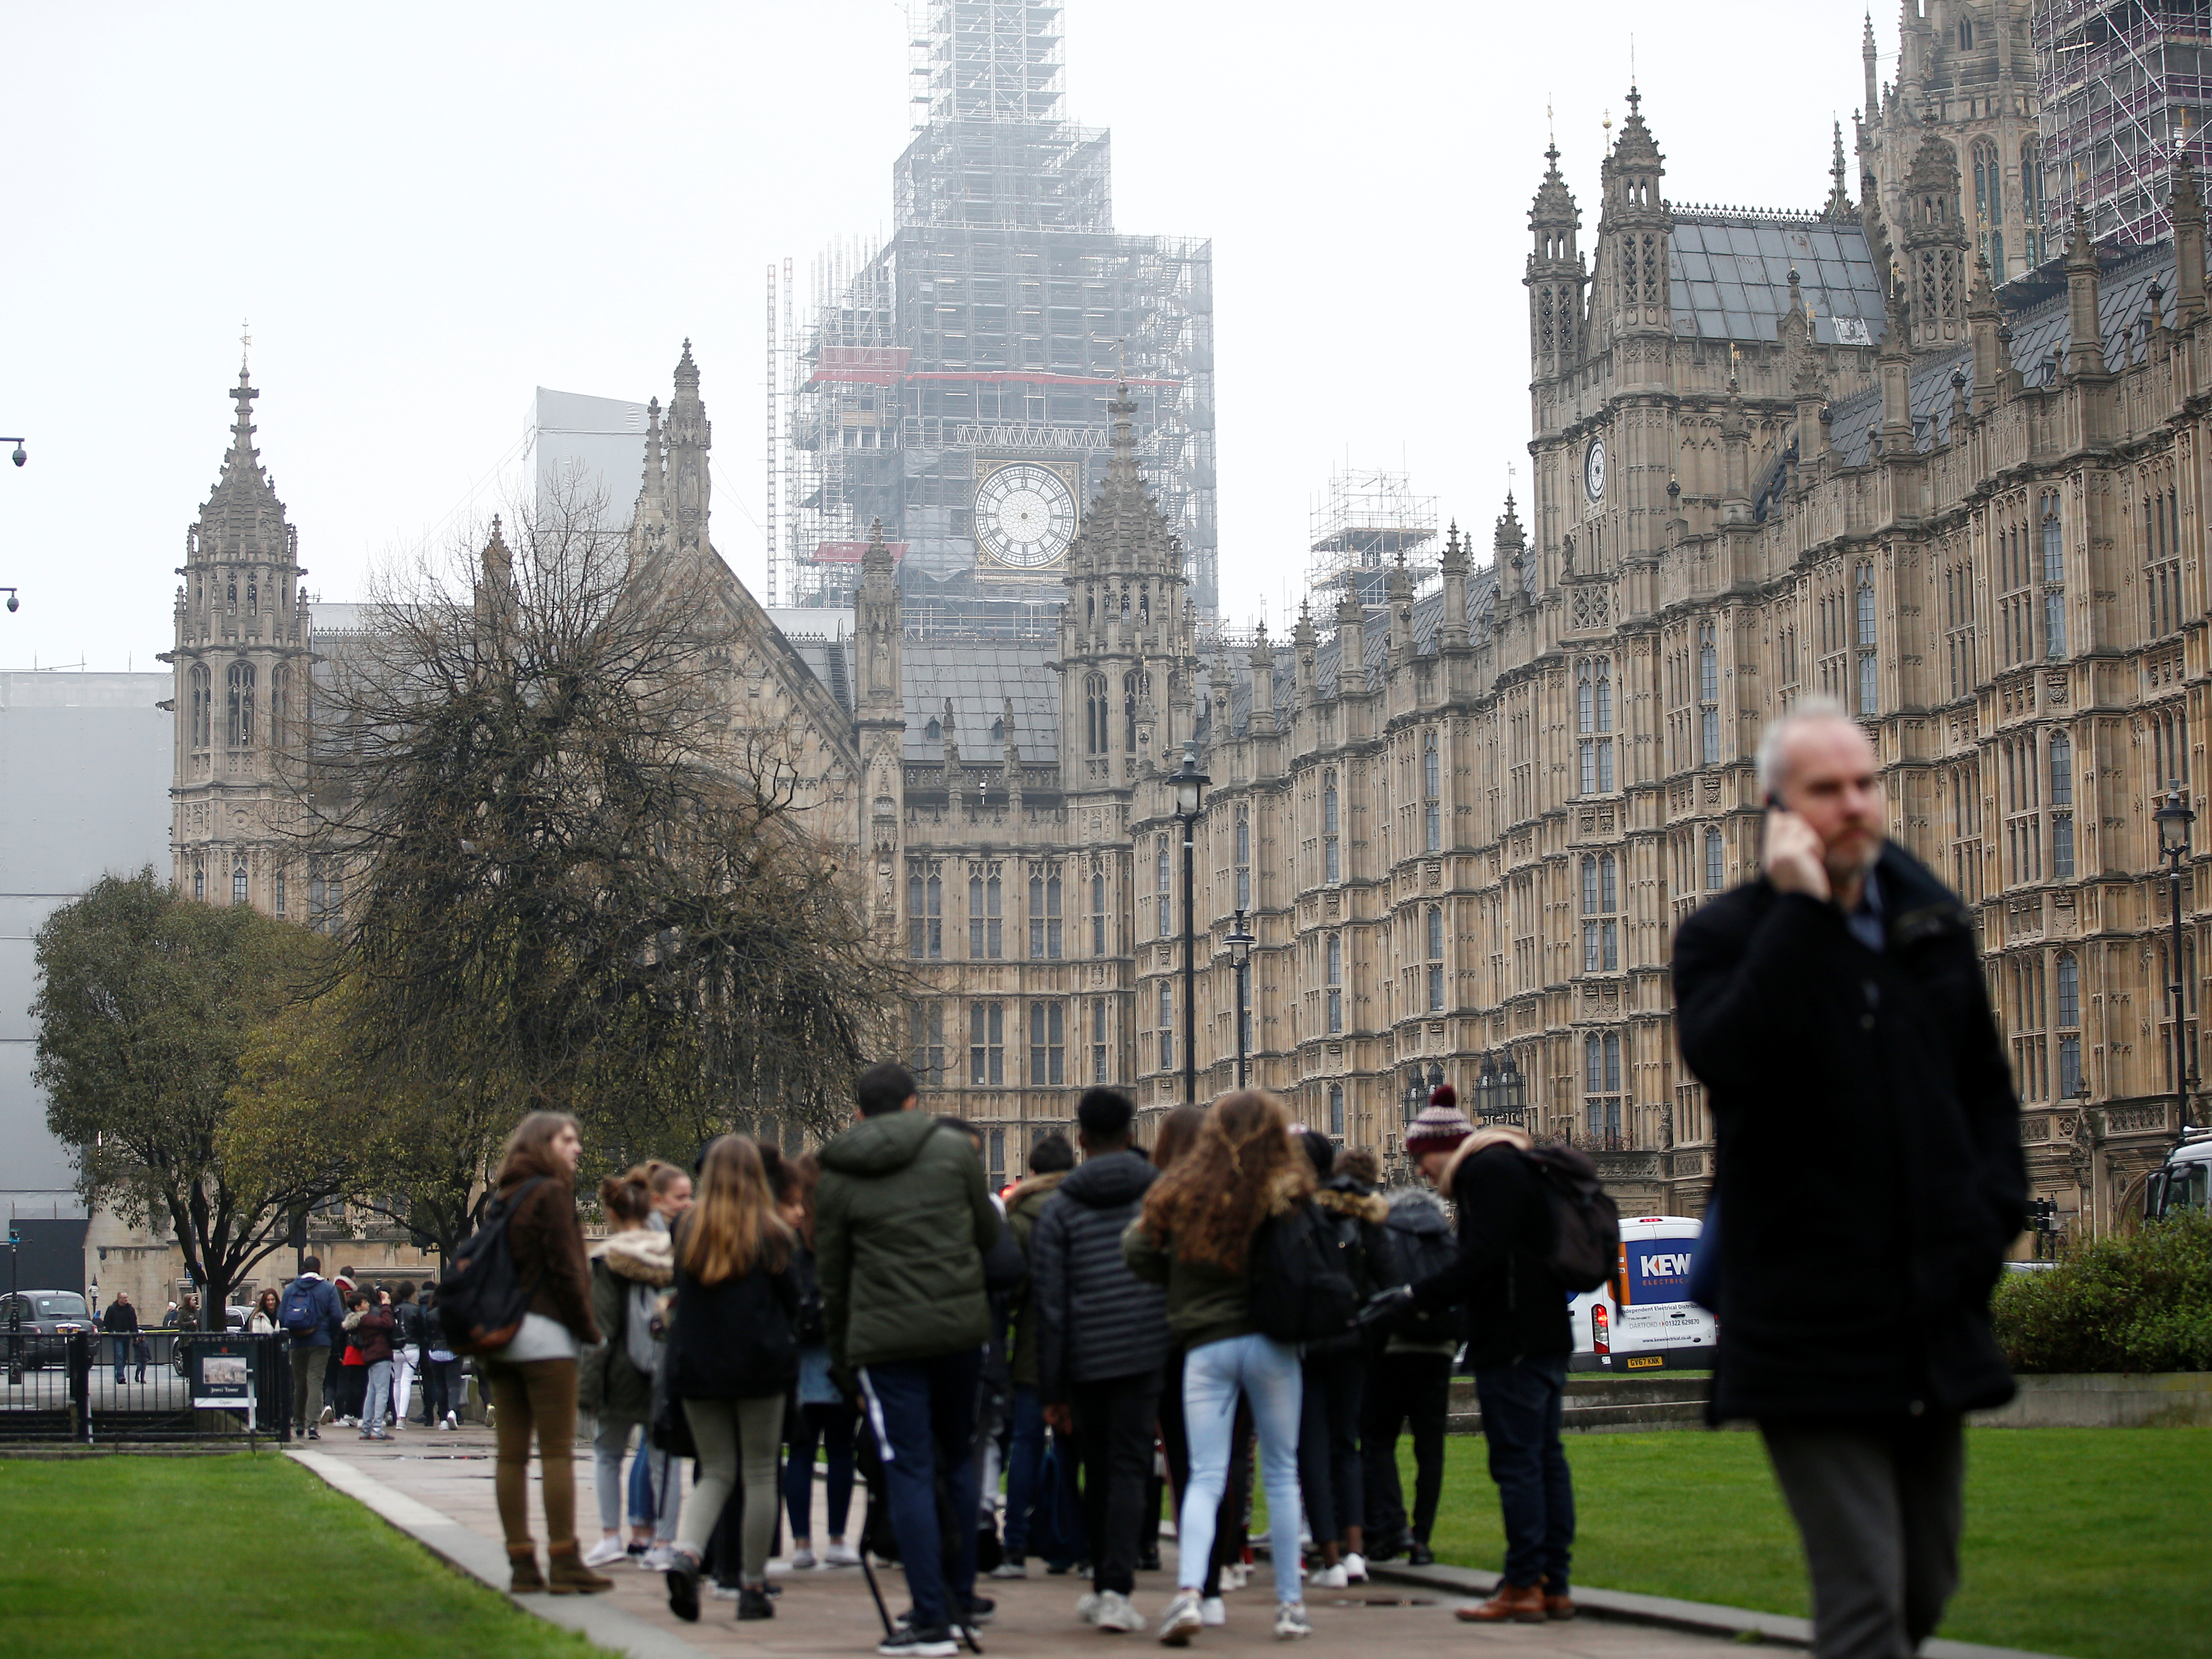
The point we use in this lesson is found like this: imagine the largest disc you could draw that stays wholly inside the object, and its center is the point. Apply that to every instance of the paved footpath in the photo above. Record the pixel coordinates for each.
(437, 1486)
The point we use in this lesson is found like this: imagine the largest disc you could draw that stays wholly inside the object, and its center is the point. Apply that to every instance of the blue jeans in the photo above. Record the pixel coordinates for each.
(1521, 1420)
(1025, 1458)
(1268, 1372)
(922, 1412)
(830, 1426)
(376, 1403)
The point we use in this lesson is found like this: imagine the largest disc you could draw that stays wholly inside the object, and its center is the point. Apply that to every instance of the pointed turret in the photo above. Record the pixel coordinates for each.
(1808, 389)
(2085, 349)
(1633, 227)
(1556, 275)
(1839, 209)
(2187, 211)
(689, 436)
(1736, 458)
(1982, 323)
(653, 489)
(877, 632)
(1399, 586)
(1305, 652)
(1509, 556)
(1452, 626)
(1262, 723)
(1935, 247)
(1868, 57)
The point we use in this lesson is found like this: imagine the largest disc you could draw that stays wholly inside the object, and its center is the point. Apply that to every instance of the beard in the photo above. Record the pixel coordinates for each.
(1850, 858)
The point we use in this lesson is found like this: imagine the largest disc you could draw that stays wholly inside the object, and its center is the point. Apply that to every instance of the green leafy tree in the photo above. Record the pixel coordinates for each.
(146, 1001)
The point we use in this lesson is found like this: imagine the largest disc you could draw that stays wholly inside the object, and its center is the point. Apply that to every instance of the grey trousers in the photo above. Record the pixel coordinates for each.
(731, 1434)
(1879, 1503)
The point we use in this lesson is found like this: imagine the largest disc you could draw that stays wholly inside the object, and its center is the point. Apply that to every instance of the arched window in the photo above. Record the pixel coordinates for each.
(2069, 1026)
(2031, 197)
(1243, 860)
(203, 706)
(1128, 707)
(1095, 714)
(1715, 859)
(1336, 1111)
(1600, 922)
(1161, 887)
(1863, 615)
(1989, 202)
(238, 884)
(1332, 864)
(1432, 813)
(1601, 1091)
(1709, 694)
(2054, 578)
(199, 881)
(1333, 980)
(240, 727)
(1594, 722)
(1044, 917)
(1436, 958)
(2061, 807)
(280, 697)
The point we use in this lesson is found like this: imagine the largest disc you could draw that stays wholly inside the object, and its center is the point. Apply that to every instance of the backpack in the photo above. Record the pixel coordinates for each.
(1301, 1284)
(1585, 1221)
(481, 1302)
(1423, 1255)
(299, 1314)
(640, 1308)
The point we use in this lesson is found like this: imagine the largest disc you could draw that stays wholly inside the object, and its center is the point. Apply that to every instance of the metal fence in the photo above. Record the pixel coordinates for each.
(157, 1385)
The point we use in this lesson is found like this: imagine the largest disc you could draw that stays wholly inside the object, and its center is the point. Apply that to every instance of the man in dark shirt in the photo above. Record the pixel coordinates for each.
(120, 1322)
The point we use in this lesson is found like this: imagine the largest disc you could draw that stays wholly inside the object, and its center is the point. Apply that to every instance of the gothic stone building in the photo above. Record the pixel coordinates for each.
(1881, 451)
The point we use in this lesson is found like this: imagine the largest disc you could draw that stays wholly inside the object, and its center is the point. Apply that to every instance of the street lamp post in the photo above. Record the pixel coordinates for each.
(1240, 944)
(2174, 818)
(1189, 794)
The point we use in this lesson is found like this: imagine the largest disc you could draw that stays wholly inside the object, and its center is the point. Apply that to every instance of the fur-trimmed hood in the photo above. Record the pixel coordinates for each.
(1035, 1185)
(639, 1253)
(1362, 1206)
(1498, 1134)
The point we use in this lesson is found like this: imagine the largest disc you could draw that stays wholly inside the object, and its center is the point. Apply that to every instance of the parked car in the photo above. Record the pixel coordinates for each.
(35, 1325)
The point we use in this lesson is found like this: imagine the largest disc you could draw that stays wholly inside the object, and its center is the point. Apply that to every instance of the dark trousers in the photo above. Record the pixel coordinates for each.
(1521, 1406)
(444, 1389)
(1879, 1503)
(353, 1389)
(830, 1426)
(1024, 1462)
(1404, 1389)
(1329, 1476)
(922, 1412)
(1114, 1421)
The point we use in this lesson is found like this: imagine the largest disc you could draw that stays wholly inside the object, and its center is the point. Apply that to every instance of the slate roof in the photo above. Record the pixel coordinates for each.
(979, 676)
(1730, 278)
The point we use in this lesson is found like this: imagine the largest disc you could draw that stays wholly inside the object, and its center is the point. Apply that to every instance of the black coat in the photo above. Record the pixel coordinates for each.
(1515, 1309)
(1869, 1149)
(738, 1339)
(1095, 1318)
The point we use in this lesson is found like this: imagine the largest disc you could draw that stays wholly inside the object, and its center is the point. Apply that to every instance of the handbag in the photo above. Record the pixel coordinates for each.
(670, 1430)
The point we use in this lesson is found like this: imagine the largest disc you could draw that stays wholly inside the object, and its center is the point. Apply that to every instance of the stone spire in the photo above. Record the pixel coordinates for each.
(1451, 627)
(1351, 642)
(1509, 554)
(1633, 226)
(1839, 209)
(1305, 651)
(689, 436)
(1262, 719)
(1123, 531)
(1982, 320)
(1868, 57)
(2187, 211)
(1556, 275)
(877, 632)
(653, 489)
(2085, 351)
(1935, 247)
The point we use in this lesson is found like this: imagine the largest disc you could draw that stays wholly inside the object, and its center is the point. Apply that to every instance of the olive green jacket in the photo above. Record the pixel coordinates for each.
(607, 1384)
(1022, 1211)
(1205, 1303)
(901, 1219)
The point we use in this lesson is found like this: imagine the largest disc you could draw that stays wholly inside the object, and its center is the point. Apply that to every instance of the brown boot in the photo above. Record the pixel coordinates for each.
(1521, 1604)
(522, 1564)
(567, 1575)
(1561, 1606)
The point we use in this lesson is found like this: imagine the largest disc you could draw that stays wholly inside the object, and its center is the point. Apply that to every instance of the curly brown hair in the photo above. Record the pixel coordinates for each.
(1212, 1200)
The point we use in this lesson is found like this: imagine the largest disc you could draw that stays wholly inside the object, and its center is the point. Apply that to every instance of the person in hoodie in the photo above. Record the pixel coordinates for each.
(632, 1267)
(902, 1220)
(372, 1334)
(1410, 1383)
(1050, 1160)
(1102, 1340)
(1329, 1463)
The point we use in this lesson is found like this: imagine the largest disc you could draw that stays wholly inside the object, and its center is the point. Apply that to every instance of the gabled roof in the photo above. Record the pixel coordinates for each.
(1729, 277)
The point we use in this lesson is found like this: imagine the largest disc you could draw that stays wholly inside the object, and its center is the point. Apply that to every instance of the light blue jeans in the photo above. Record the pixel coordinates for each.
(1268, 1372)
(376, 1405)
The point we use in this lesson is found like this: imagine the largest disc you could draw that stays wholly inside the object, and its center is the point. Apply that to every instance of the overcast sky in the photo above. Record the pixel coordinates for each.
(428, 211)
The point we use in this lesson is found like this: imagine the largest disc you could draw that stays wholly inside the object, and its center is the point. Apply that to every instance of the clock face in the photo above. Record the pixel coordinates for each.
(1025, 515)
(1594, 469)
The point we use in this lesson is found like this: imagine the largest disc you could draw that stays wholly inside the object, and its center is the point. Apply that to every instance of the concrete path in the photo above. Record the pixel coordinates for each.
(437, 1487)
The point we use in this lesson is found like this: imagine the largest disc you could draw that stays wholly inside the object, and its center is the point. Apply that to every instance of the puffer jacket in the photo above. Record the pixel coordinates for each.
(1360, 1223)
(1095, 1318)
(1024, 1204)
(608, 1385)
(372, 1334)
(1205, 1303)
(1422, 1231)
(902, 1221)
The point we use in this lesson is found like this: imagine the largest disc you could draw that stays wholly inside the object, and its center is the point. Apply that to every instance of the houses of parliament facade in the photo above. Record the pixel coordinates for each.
(1892, 450)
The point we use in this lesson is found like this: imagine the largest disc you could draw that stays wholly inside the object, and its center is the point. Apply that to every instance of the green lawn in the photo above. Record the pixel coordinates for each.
(2079, 1541)
(231, 1558)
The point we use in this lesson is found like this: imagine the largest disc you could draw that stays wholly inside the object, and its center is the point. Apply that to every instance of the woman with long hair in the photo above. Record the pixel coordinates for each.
(262, 1320)
(1195, 1237)
(533, 1378)
(824, 1418)
(735, 1354)
(631, 1269)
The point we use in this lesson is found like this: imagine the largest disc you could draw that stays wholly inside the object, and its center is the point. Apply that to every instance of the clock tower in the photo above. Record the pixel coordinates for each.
(1025, 517)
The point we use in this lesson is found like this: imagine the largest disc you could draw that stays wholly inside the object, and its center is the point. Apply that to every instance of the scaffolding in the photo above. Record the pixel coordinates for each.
(1365, 523)
(2124, 87)
(992, 327)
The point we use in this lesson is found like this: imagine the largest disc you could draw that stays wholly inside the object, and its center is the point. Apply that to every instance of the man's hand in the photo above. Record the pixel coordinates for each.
(1795, 860)
(1385, 1309)
(1060, 1417)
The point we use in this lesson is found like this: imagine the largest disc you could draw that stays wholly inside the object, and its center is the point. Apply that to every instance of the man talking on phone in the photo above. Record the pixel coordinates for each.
(1869, 1181)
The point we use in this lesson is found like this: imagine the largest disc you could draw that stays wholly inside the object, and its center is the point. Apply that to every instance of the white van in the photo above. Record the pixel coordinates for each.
(1642, 1318)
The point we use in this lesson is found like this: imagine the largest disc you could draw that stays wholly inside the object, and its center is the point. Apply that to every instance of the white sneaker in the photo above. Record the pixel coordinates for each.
(607, 1550)
(723, 1592)
(1087, 1606)
(841, 1555)
(1291, 1622)
(1355, 1567)
(1115, 1613)
(451, 1421)
(1325, 1578)
(659, 1559)
(1183, 1619)
(1234, 1578)
(326, 1416)
(1213, 1613)
(803, 1561)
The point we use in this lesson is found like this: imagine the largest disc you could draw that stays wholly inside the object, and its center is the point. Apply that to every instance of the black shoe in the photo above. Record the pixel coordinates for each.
(981, 1610)
(682, 1581)
(311, 1435)
(1057, 1569)
(1149, 1561)
(930, 1642)
(1418, 1554)
(754, 1604)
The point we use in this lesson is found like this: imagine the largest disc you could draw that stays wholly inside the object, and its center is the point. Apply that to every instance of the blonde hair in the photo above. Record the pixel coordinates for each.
(733, 1226)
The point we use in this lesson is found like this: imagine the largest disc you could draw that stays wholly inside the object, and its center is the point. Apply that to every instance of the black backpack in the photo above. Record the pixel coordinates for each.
(1585, 1221)
(1301, 1284)
(1423, 1255)
(481, 1301)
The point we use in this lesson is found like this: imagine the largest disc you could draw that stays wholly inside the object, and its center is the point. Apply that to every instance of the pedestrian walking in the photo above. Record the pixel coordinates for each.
(1195, 1238)
(1335, 1368)
(353, 1364)
(1409, 1383)
(1050, 1160)
(406, 1351)
(734, 1356)
(262, 1322)
(372, 1334)
(825, 1420)
(633, 1272)
(1836, 1009)
(903, 1219)
(313, 1322)
(120, 1322)
(1102, 1343)
(1516, 1312)
(533, 1378)
(445, 1385)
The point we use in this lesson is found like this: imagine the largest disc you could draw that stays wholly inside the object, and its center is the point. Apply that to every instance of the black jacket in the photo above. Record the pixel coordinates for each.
(1515, 1310)
(738, 1339)
(1869, 1149)
(120, 1318)
(1359, 1221)
(1420, 1230)
(1095, 1318)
